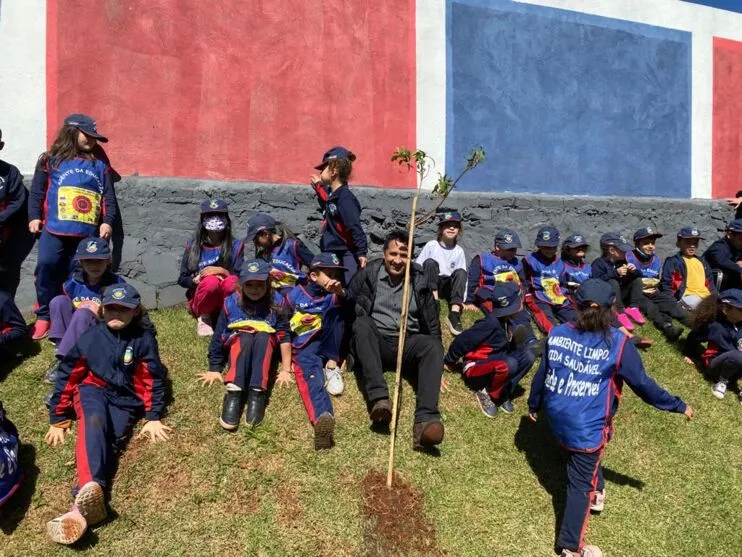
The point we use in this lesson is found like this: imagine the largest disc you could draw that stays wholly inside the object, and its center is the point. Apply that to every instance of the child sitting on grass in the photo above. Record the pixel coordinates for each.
(685, 276)
(576, 268)
(110, 378)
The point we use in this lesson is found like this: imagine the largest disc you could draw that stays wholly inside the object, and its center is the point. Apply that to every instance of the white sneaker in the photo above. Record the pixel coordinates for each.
(203, 327)
(597, 504)
(719, 389)
(334, 381)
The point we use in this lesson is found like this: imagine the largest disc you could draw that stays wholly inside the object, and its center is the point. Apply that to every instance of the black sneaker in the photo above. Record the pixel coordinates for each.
(454, 323)
(672, 333)
(324, 429)
(231, 409)
(255, 411)
(52, 372)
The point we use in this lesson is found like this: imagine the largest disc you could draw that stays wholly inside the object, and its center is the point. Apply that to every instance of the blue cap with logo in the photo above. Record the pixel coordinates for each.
(326, 261)
(575, 241)
(334, 153)
(507, 239)
(689, 232)
(646, 232)
(547, 237)
(257, 223)
(93, 248)
(449, 216)
(617, 241)
(255, 269)
(735, 226)
(122, 295)
(86, 125)
(505, 298)
(595, 292)
(732, 297)
(214, 206)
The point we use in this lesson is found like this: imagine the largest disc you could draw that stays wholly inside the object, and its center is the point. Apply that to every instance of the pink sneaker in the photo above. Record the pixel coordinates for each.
(40, 329)
(203, 328)
(636, 315)
(625, 322)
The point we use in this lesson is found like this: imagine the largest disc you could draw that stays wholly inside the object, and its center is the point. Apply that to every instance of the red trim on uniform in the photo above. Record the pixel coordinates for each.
(143, 384)
(265, 367)
(92, 379)
(304, 391)
(84, 475)
(345, 235)
(235, 347)
(5, 330)
(499, 371)
(320, 191)
(594, 484)
(79, 370)
(542, 322)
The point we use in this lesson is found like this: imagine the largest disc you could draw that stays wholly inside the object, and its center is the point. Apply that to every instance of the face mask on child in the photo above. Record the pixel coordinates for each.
(215, 224)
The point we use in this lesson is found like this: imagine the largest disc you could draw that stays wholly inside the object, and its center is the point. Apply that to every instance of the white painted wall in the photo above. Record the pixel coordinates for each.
(23, 81)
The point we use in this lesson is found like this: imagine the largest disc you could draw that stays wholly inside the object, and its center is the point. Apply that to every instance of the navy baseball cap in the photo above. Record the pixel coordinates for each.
(214, 206)
(505, 298)
(122, 295)
(690, 232)
(595, 292)
(326, 261)
(735, 226)
(617, 241)
(507, 239)
(646, 232)
(449, 216)
(733, 297)
(93, 248)
(547, 237)
(86, 125)
(258, 223)
(576, 240)
(255, 269)
(334, 153)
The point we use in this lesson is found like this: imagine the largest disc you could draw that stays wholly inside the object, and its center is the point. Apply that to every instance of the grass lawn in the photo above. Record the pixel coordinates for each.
(673, 487)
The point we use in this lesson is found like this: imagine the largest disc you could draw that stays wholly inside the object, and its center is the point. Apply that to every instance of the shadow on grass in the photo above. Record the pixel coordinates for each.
(10, 361)
(16, 507)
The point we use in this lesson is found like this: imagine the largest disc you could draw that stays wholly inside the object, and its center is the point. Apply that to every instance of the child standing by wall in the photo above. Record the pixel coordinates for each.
(111, 377)
(71, 196)
(278, 245)
(317, 329)
(581, 405)
(210, 265)
(685, 276)
(247, 332)
(445, 263)
(342, 233)
(492, 356)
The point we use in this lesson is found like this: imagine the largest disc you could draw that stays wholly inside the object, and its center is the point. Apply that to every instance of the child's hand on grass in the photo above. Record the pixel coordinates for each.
(208, 377)
(470, 307)
(156, 430)
(444, 385)
(55, 436)
(689, 412)
(285, 376)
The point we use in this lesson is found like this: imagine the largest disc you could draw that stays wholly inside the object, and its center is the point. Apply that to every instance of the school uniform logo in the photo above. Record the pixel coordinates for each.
(649, 230)
(447, 216)
(503, 301)
(509, 237)
(213, 204)
(739, 344)
(118, 294)
(332, 209)
(335, 259)
(253, 267)
(546, 235)
(128, 355)
(91, 247)
(694, 232)
(579, 239)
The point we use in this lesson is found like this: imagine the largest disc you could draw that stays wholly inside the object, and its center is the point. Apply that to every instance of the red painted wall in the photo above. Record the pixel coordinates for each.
(238, 90)
(727, 139)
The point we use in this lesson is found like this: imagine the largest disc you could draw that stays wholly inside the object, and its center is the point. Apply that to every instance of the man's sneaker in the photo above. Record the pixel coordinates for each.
(255, 411)
(487, 405)
(636, 315)
(454, 322)
(719, 389)
(598, 501)
(52, 372)
(672, 333)
(231, 408)
(203, 327)
(324, 429)
(334, 381)
(625, 321)
(381, 411)
(68, 528)
(91, 502)
(587, 551)
(507, 406)
(40, 329)
(425, 435)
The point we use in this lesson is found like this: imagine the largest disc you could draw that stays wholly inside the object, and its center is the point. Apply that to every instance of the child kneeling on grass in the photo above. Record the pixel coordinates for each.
(492, 356)
(247, 331)
(111, 377)
(579, 384)
(317, 329)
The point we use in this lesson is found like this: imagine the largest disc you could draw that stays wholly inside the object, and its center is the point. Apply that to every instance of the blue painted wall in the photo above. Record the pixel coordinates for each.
(566, 103)
(731, 5)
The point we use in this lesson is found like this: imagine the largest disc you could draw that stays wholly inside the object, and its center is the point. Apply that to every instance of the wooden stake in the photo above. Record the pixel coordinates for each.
(400, 345)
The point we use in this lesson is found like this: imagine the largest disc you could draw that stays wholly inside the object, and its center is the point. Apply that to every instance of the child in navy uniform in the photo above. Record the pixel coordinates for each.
(576, 268)
(110, 378)
(718, 320)
(13, 329)
(445, 263)
(211, 264)
(685, 276)
(544, 271)
(725, 256)
(71, 196)
(275, 243)
(342, 233)
(11, 475)
(659, 306)
(579, 385)
(492, 356)
(317, 329)
(249, 327)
